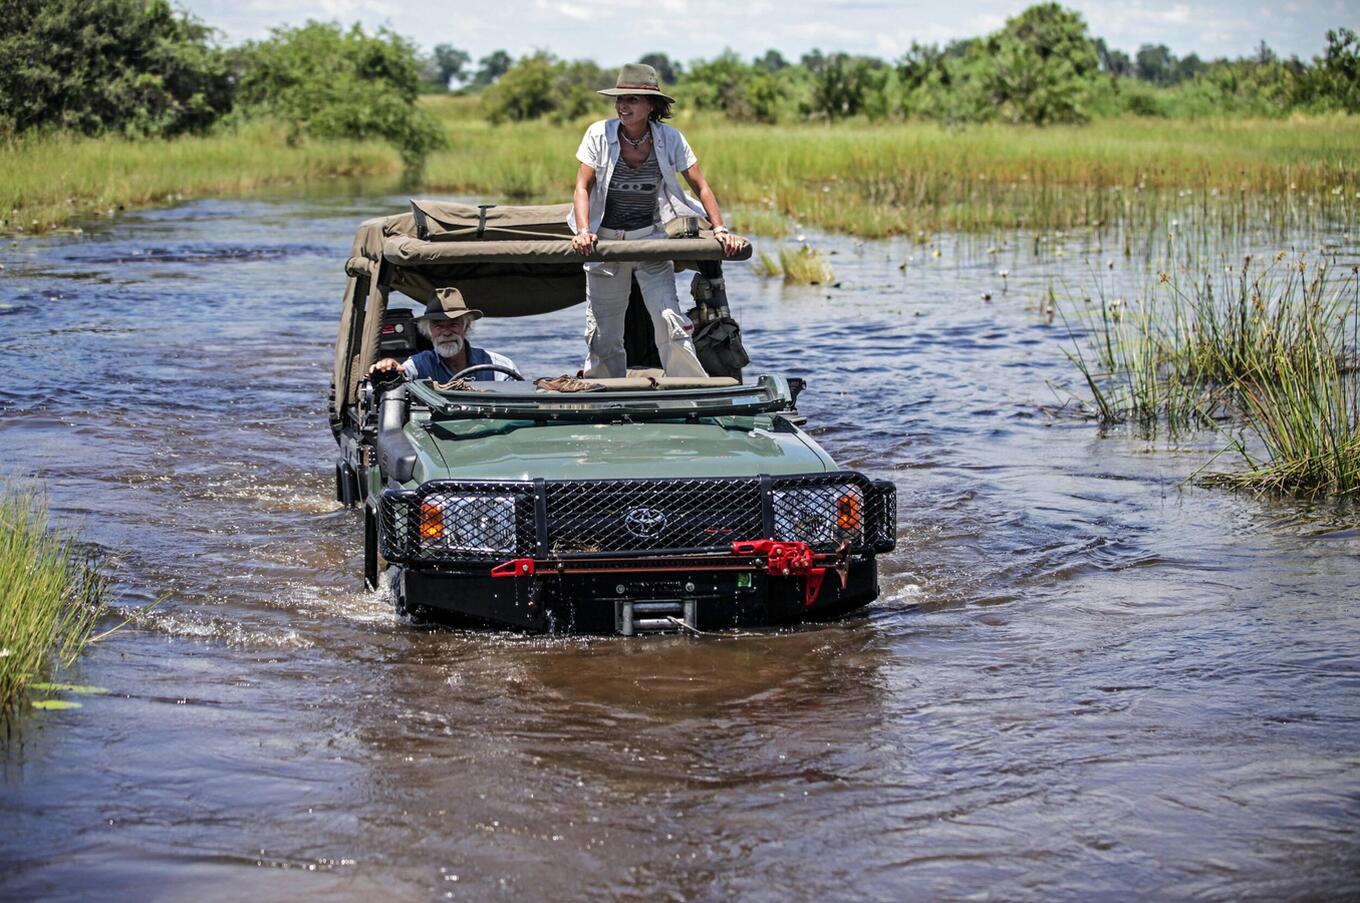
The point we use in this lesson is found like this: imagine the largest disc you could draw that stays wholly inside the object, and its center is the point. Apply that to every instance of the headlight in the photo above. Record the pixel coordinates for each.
(819, 515)
(468, 523)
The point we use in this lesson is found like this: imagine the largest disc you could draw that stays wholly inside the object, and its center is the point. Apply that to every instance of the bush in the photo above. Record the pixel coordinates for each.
(93, 66)
(1043, 63)
(1334, 82)
(542, 85)
(329, 83)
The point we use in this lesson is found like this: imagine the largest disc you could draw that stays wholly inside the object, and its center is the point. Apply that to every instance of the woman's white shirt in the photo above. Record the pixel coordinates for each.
(600, 150)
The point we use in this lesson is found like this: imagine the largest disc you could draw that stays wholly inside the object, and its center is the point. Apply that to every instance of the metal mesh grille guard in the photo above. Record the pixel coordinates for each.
(451, 522)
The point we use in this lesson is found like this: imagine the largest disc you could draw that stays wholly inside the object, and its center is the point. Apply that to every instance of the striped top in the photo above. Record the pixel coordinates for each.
(631, 201)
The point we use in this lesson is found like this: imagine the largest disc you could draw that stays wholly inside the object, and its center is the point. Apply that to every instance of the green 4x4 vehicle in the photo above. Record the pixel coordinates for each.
(604, 506)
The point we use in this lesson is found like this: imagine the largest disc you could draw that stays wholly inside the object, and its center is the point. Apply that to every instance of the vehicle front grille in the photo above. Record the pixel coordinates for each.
(447, 521)
(650, 515)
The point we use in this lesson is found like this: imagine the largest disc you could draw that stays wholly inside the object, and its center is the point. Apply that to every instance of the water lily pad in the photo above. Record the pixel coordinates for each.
(56, 704)
(82, 689)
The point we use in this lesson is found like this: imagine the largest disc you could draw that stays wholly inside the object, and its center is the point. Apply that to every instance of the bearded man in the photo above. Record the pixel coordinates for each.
(447, 322)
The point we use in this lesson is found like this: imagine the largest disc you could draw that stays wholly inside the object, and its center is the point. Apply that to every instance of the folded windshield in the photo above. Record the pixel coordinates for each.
(524, 401)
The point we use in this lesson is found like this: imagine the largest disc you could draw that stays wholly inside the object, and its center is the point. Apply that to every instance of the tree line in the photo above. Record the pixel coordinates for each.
(1042, 67)
(142, 68)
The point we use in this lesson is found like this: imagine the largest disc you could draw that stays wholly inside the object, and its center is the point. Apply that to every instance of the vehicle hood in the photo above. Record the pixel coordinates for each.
(495, 450)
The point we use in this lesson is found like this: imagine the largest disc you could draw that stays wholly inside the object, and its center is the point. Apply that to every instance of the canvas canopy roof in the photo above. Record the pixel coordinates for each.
(507, 261)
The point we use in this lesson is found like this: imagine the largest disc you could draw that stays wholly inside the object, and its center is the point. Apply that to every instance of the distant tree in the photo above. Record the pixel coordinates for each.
(491, 67)
(721, 83)
(1114, 62)
(1336, 74)
(524, 91)
(1155, 64)
(1043, 62)
(576, 85)
(841, 86)
(541, 85)
(450, 63)
(667, 71)
(813, 60)
(1188, 67)
(134, 66)
(327, 82)
(918, 64)
(773, 61)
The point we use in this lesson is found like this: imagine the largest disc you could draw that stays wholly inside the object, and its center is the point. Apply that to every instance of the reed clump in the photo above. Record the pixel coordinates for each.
(1271, 356)
(805, 265)
(765, 265)
(50, 596)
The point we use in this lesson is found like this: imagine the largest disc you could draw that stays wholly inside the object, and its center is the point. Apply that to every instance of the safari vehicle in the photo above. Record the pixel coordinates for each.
(606, 506)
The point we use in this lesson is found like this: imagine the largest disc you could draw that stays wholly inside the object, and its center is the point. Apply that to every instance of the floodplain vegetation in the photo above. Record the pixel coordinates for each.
(857, 177)
(1269, 356)
(50, 596)
(53, 180)
(879, 179)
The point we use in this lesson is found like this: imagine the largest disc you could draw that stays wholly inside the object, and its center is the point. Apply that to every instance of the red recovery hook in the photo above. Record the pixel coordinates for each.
(787, 559)
(516, 567)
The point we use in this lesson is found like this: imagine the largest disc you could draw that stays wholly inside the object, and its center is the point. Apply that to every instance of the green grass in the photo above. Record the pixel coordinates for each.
(886, 179)
(805, 265)
(1271, 355)
(51, 180)
(855, 177)
(50, 597)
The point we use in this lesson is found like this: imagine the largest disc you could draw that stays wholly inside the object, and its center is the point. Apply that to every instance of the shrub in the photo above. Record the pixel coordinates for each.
(132, 66)
(542, 85)
(329, 83)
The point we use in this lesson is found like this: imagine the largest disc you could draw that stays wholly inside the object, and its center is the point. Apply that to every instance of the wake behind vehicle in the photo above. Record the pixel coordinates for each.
(605, 505)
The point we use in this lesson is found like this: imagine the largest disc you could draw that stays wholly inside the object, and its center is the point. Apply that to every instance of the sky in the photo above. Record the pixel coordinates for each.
(612, 32)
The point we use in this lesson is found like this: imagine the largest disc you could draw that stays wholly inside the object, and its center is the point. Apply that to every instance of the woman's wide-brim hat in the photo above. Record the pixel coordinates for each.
(639, 79)
(448, 304)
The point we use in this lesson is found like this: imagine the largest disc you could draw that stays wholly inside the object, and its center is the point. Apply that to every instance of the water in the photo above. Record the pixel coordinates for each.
(1084, 678)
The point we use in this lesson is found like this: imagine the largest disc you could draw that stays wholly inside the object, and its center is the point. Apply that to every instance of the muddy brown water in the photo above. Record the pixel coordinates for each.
(1083, 679)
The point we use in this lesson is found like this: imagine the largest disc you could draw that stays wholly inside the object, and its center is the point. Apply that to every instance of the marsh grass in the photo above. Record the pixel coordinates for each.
(1271, 354)
(865, 179)
(759, 222)
(50, 596)
(805, 265)
(874, 180)
(51, 180)
(766, 266)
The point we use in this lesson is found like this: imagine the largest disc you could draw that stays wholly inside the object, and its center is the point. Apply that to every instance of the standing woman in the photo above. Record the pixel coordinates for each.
(627, 189)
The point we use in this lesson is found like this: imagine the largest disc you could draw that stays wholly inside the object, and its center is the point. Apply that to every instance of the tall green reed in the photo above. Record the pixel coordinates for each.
(50, 596)
(1271, 354)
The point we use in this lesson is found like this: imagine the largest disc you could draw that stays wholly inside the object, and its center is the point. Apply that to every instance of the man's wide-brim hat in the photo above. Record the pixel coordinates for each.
(639, 79)
(448, 304)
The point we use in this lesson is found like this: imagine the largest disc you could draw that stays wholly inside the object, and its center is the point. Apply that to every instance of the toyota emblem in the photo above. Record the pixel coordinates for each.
(645, 523)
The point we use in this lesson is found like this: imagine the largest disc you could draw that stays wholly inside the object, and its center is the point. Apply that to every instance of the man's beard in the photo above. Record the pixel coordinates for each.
(448, 347)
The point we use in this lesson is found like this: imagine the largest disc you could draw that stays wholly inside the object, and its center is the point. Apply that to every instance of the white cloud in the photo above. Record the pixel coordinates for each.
(615, 31)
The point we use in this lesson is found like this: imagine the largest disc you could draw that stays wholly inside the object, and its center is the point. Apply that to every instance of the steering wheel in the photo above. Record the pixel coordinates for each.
(477, 368)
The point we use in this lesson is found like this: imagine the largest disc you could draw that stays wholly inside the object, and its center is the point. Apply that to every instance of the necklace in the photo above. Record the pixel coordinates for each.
(639, 142)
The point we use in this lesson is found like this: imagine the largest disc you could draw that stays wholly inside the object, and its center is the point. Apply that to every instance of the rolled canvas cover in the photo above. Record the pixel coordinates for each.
(508, 261)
